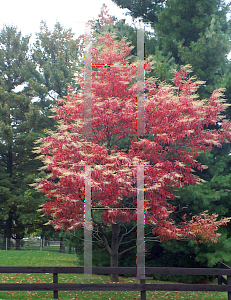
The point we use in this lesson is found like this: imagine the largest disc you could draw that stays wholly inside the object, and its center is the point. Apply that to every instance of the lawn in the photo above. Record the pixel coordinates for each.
(43, 258)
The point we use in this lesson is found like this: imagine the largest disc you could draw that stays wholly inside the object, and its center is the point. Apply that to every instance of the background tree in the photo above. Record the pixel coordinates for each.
(18, 126)
(56, 67)
(192, 32)
(31, 80)
(177, 125)
(195, 33)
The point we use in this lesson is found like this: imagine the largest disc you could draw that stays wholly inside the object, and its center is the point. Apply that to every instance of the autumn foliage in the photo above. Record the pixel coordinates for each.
(177, 128)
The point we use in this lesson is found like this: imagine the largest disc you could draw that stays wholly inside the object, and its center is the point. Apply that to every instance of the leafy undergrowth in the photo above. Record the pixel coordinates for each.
(37, 258)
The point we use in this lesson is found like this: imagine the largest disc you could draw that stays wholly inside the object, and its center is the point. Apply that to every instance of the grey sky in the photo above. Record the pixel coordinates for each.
(27, 14)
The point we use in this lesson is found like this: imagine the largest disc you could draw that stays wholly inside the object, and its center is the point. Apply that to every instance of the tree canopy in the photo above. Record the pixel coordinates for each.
(177, 128)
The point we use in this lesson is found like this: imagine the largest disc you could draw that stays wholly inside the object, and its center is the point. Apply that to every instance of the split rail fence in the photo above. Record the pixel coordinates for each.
(142, 286)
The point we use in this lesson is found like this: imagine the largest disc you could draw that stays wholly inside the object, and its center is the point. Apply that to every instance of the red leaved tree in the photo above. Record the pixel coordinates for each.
(177, 128)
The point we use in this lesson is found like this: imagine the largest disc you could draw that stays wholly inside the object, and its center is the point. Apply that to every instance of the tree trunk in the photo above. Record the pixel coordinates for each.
(114, 263)
(62, 246)
(9, 221)
(10, 162)
(18, 242)
(114, 249)
(114, 255)
(8, 230)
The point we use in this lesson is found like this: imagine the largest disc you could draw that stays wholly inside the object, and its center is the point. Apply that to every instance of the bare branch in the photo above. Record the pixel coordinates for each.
(97, 237)
(126, 233)
(128, 241)
(105, 241)
(152, 240)
(126, 250)
(98, 241)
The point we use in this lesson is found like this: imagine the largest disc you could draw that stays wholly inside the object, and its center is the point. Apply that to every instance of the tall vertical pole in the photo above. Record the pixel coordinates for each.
(88, 83)
(140, 259)
(88, 133)
(140, 82)
(87, 224)
(140, 222)
(140, 169)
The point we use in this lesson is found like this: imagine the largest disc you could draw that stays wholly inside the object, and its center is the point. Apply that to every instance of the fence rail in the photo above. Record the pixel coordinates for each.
(142, 286)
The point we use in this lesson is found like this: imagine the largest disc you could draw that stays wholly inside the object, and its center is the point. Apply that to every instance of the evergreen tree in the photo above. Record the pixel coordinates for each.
(18, 125)
(31, 81)
(196, 33)
(56, 67)
(192, 32)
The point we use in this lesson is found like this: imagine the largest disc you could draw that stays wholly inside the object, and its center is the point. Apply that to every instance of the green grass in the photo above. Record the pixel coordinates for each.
(37, 258)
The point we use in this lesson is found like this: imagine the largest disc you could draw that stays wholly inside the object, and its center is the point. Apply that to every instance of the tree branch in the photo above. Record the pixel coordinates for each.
(126, 233)
(126, 250)
(98, 240)
(128, 241)
(105, 241)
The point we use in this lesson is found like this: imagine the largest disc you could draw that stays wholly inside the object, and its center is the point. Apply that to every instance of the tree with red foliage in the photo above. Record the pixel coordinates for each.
(177, 129)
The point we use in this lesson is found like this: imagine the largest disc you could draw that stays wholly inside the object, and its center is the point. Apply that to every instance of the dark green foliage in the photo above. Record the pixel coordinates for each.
(197, 33)
(213, 196)
(30, 82)
(192, 32)
(55, 66)
(173, 254)
(18, 124)
(146, 9)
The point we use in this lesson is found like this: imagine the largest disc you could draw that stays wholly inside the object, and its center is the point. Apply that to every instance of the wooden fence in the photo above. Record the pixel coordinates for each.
(142, 286)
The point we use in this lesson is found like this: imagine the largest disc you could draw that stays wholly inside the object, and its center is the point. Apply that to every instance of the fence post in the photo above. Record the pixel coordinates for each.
(219, 276)
(41, 244)
(142, 292)
(55, 280)
(229, 283)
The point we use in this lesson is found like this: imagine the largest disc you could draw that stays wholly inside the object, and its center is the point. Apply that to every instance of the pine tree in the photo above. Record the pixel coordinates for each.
(197, 33)
(19, 123)
(55, 65)
(192, 32)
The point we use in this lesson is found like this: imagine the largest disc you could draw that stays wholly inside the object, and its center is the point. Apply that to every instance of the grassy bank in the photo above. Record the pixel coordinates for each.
(40, 258)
